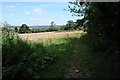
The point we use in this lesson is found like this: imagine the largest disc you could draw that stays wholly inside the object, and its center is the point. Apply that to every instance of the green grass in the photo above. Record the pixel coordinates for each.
(96, 64)
(29, 60)
(0, 38)
(62, 49)
(50, 58)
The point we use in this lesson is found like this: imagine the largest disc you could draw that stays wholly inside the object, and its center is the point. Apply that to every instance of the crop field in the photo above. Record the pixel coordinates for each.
(48, 35)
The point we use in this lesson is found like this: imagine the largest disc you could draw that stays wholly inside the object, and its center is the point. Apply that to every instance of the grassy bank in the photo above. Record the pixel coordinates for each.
(50, 58)
(91, 60)
(32, 60)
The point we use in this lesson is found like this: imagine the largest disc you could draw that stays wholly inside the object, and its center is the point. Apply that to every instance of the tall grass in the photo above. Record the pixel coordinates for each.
(93, 57)
(33, 60)
(50, 58)
(22, 59)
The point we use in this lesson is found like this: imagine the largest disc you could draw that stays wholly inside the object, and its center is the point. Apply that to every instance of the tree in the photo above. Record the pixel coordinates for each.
(104, 23)
(52, 24)
(16, 29)
(5, 24)
(24, 29)
(80, 23)
(103, 17)
(70, 25)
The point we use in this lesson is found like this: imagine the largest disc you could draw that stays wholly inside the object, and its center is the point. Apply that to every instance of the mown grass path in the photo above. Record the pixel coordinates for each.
(75, 70)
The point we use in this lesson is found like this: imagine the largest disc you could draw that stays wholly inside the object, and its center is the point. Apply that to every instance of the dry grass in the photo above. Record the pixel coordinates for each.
(47, 35)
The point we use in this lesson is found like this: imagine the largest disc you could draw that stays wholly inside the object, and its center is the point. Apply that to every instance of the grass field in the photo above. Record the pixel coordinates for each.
(59, 44)
(48, 35)
(73, 53)
(59, 55)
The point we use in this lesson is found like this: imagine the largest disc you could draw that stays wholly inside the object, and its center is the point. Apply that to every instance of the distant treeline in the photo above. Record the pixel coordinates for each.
(41, 26)
(78, 25)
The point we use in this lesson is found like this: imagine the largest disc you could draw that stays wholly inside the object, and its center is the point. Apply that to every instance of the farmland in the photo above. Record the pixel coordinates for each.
(48, 35)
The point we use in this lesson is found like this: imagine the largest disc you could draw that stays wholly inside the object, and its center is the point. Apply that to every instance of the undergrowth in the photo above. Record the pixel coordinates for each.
(100, 56)
(23, 59)
(34, 60)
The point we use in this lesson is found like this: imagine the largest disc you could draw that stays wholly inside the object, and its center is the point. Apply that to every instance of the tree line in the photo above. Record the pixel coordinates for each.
(104, 24)
(71, 25)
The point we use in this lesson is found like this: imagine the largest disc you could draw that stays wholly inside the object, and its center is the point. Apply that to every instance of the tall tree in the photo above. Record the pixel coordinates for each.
(70, 25)
(24, 28)
(52, 24)
(104, 22)
(16, 29)
(103, 17)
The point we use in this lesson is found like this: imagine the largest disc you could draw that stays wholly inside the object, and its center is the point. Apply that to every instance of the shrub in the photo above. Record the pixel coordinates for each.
(16, 29)
(24, 29)
(22, 59)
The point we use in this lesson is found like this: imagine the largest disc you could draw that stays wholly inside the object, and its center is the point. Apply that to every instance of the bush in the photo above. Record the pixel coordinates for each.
(36, 30)
(22, 59)
(24, 29)
(99, 44)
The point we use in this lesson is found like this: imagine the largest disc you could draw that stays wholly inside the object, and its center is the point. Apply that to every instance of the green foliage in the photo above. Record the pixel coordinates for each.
(103, 18)
(103, 31)
(22, 59)
(70, 25)
(46, 61)
(5, 24)
(99, 56)
(24, 29)
(52, 24)
(77, 25)
(16, 29)
(103, 28)
(36, 30)
(50, 59)
(62, 28)
(52, 29)
(33, 60)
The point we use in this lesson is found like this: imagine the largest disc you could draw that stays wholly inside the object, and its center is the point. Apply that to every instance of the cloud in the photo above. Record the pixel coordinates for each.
(0, 6)
(44, 5)
(10, 6)
(23, 23)
(36, 0)
(40, 21)
(11, 14)
(27, 12)
(33, 19)
(38, 11)
(62, 16)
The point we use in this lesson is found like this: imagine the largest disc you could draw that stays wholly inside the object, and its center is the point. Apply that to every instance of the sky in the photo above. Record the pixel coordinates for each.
(36, 13)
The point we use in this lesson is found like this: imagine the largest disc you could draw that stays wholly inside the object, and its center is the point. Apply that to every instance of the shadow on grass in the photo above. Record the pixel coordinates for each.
(93, 57)
(88, 58)
(37, 60)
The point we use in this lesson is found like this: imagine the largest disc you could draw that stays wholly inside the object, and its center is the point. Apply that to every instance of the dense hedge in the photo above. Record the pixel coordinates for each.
(22, 59)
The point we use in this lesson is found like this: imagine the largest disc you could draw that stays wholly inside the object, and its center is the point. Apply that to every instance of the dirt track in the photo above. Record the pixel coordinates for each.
(47, 35)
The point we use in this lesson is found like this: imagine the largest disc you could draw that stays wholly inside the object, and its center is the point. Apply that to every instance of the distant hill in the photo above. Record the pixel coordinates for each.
(42, 26)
